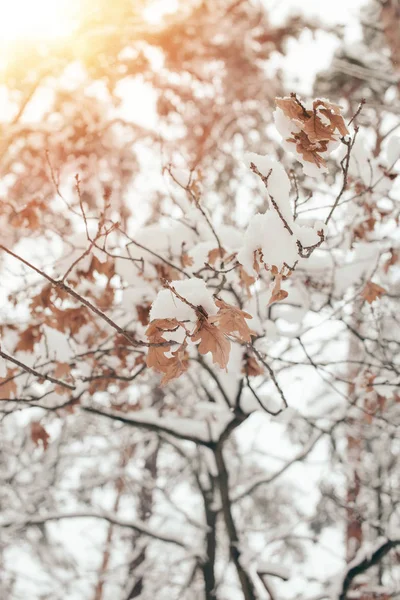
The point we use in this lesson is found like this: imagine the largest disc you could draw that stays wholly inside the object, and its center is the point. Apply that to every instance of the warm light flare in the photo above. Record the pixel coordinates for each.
(34, 19)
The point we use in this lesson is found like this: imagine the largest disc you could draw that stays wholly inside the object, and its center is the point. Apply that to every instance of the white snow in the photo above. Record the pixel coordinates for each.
(266, 231)
(168, 306)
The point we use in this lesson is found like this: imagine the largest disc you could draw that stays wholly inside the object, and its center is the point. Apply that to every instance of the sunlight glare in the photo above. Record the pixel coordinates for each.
(34, 19)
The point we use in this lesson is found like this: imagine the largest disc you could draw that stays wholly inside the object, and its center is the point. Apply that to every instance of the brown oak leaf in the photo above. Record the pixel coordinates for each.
(251, 367)
(336, 120)
(29, 338)
(246, 280)
(316, 130)
(215, 254)
(212, 340)
(179, 364)
(143, 313)
(308, 149)
(292, 109)
(372, 291)
(391, 261)
(29, 216)
(277, 293)
(39, 435)
(167, 272)
(156, 358)
(231, 319)
(8, 387)
(186, 260)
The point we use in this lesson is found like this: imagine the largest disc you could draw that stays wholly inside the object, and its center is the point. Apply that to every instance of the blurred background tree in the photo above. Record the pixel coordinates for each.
(131, 88)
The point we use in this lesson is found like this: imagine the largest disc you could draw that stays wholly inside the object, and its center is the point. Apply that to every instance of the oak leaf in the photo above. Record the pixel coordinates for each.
(212, 340)
(186, 260)
(143, 313)
(291, 109)
(277, 293)
(167, 272)
(215, 254)
(8, 387)
(29, 338)
(251, 367)
(231, 319)
(62, 369)
(156, 358)
(372, 291)
(39, 435)
(29, 216)
(391, 261)
(246, 280)
(178, 364)
(308, 149)
(316, 130)
(336, 120)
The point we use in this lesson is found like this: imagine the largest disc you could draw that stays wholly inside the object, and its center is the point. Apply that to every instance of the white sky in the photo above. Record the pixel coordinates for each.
(312, 53)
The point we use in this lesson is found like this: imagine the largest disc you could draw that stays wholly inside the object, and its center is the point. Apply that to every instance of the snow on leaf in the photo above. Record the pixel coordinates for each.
(267, 233)
(212, 340)
(278, 181)
(372, 291)
(314, 132)
(194, 290)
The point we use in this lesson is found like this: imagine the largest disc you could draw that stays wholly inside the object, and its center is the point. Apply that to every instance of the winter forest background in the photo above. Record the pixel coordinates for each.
(200, 285)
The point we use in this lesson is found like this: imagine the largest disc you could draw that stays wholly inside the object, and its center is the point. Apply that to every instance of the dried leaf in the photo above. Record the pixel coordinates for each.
(29, 338)
(186, 260)
(212, 340)
(156, 358)
(29, 216)
(231, 320)
(179, 364)
(39, 435)
(391, 261)
(291, 108)
(215, 254)
(247, 280)
(309, 150)
(277, 293)
(62, 370)
(372, 291)
(317, 128)
(143, 313)
(336, 120)
(8, 387)
(316, 131)
(165, 272)
(251, 367)
(71, 319)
